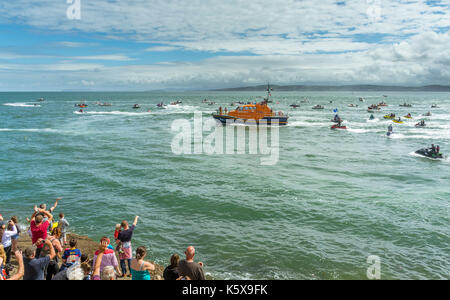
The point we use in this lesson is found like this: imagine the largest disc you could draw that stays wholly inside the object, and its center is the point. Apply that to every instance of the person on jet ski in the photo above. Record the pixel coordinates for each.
(438, 149)
(371, 117)
(390, 129)
(433, 148)
(336, 117)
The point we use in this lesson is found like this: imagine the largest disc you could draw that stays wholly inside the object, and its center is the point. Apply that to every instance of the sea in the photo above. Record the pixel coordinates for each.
(337, 204)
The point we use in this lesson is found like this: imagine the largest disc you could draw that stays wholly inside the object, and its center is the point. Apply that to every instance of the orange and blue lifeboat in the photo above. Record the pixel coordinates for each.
(252, 114)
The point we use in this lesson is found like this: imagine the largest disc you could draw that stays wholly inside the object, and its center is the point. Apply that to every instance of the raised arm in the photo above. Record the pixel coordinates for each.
(48, 214)
(52, 250)
(36, 210)
(98, 261)
(21, 270)
(135, 220)
(54, 205)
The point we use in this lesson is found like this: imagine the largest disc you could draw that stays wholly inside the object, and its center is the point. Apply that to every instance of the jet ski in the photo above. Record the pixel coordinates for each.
(294, 105)
(390, 130)
(318, 107)
(398, 121)
(336, 126)
(428, 114)
(408, 116)
(136, 106)
(428, 152)
(434, 106)
(390, 117)
(421, 124)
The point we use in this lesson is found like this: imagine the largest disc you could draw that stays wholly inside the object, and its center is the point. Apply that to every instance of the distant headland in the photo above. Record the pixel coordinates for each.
(345, 88)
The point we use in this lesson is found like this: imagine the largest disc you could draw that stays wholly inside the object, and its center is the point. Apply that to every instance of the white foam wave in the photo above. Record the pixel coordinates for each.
(21, 104)
(446, 158)
(120, 113)
(373, 121)
(307, 124)
(27, 130)
(362, 130)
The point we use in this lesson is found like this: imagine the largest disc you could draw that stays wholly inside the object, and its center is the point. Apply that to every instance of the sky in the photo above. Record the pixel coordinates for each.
(57, 45)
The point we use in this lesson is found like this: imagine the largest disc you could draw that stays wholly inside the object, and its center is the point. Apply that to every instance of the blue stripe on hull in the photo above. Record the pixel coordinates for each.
(223, 120)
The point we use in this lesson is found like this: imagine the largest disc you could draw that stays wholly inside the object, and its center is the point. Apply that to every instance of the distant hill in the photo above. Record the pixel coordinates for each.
(347, 88)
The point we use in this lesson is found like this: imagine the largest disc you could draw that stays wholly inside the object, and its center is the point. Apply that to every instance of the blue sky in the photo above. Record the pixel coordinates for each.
(205, 44)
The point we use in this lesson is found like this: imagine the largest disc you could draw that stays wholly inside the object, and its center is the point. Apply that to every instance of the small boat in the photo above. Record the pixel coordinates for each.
(318, 107)
(81, 105)
(136, 106)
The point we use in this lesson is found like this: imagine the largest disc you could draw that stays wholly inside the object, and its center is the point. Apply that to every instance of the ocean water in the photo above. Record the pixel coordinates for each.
(333, 199)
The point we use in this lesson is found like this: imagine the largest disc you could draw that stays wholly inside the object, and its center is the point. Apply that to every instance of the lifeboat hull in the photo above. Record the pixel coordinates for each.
(224, 119)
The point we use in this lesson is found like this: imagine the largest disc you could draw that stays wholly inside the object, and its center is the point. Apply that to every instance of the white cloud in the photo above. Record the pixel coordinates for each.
(110, 57)
(162, 49)
(283, 41)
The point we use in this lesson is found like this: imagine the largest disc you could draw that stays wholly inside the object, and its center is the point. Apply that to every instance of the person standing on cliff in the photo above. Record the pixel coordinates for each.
(124, 238)
(188, 268)
(39, 227)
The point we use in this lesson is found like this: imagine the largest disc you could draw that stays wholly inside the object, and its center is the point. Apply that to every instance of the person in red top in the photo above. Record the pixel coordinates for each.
(39, 228)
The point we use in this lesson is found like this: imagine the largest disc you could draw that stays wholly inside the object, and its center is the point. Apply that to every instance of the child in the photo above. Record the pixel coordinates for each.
(14, 238)
(63, 224)
(118, 242)
(71, 255)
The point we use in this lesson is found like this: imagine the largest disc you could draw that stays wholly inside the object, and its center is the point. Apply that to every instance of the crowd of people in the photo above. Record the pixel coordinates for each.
(52, 257)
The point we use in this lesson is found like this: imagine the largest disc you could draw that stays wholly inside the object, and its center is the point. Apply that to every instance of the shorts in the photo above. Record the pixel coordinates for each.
(126, 254)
